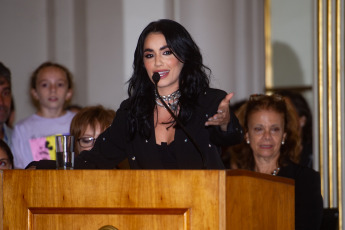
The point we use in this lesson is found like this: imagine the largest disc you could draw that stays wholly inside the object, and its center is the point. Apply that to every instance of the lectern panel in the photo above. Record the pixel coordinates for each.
(128, 219)
(144, 199)
(160, 199)
(258, 202)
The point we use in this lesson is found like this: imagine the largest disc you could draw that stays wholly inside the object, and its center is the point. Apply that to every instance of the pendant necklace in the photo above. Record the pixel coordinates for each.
(276, 171)
(171, 100)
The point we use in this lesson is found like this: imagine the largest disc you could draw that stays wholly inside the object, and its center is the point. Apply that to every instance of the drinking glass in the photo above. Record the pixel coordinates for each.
(64, 151)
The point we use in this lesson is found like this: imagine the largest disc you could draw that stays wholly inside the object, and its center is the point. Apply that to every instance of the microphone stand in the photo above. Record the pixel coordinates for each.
(156, 77)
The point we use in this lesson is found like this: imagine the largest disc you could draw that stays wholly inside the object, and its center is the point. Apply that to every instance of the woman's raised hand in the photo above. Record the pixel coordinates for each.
(222, 117)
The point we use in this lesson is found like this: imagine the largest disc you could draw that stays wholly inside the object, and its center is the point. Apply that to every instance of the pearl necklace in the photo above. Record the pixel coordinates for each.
(174, 97)
(275, 172)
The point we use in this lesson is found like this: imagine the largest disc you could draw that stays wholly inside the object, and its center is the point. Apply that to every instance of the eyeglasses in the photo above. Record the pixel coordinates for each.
(86, 142)
(257, 97)
(5, 163)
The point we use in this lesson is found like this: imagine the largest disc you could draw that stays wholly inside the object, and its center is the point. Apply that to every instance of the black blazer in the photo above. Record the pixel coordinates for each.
(308, 198)
(113, 145)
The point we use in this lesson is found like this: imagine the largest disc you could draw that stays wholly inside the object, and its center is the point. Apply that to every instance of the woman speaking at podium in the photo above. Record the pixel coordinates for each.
(173, 120)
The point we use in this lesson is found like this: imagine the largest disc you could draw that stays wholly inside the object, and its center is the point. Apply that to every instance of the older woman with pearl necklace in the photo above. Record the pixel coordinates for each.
(272, 145)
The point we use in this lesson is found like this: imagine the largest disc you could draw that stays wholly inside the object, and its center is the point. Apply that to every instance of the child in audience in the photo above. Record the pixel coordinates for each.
(34, 137)
(87, 124)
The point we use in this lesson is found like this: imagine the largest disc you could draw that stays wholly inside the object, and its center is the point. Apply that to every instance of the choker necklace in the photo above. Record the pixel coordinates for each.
(174, 98)
(275, 172)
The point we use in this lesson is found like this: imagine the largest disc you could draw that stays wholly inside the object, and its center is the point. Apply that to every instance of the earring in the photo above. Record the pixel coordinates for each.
(248, 142)
(283, 142)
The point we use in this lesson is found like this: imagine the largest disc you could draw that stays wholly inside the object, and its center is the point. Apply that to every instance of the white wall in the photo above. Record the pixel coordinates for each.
(293, 43)
(104, 53)
(23, 46)
(230, 35)
(293, 39)
(96, 41)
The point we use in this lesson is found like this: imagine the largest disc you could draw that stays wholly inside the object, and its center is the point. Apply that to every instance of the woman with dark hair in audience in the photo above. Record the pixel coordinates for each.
(6, 156)
(145, 132)
(272, 146)
(305, 123)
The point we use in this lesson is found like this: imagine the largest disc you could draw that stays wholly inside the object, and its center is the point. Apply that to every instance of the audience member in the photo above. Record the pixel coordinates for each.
(34, 137)
(6, 156)
(88, 124)
(145, 132)
(305, 123)
(5, 103)
(272, 146)
(11, 118)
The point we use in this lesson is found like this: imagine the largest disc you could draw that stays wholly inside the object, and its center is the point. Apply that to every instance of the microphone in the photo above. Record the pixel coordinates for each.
(156, 77)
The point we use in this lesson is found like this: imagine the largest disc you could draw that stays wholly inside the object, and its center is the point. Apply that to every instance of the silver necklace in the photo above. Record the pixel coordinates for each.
(276, 171)
(171, 100)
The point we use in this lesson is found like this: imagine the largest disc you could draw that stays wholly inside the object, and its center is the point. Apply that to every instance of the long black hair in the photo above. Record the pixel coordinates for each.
(193, 79)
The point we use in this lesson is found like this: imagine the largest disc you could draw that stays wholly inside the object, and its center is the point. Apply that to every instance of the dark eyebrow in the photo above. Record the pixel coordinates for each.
(148, 50)
(6, 88)
(164, 47)
(151, 50)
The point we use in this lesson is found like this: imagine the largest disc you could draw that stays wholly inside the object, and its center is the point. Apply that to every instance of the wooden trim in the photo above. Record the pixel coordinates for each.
(289, 88)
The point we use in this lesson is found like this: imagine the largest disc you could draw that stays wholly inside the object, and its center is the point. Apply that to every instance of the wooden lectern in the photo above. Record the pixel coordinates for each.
(145, 199)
